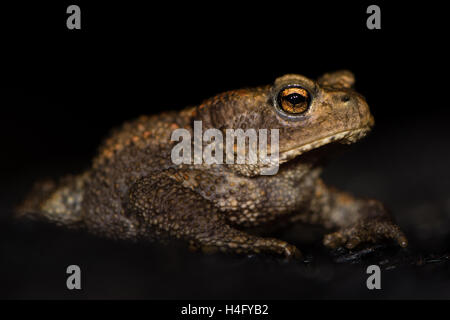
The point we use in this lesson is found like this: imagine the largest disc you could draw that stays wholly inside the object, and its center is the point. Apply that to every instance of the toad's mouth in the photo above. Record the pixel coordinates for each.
(343, 137)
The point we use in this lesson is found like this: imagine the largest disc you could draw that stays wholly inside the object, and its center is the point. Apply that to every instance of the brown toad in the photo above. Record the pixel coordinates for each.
(135, 191)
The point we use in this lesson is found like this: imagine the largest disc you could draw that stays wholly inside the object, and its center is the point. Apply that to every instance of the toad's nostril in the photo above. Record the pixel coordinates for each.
(345, 98)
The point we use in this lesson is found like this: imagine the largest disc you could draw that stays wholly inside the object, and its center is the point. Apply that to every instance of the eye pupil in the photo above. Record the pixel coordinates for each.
(295, 98)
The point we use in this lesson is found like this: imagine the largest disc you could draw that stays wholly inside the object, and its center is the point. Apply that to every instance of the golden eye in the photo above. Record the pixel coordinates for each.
(294, 100)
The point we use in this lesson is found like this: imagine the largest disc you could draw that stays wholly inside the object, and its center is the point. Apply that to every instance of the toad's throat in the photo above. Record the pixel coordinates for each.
(344, 137)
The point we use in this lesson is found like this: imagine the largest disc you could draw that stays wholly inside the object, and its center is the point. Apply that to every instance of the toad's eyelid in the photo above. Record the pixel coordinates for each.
(295, 90)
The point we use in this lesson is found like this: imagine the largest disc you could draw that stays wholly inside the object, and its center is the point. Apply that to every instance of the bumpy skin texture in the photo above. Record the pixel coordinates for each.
(134, 191)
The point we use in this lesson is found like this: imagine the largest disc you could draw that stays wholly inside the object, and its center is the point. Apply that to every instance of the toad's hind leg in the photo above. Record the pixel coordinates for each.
(56, 202)
(161, 201)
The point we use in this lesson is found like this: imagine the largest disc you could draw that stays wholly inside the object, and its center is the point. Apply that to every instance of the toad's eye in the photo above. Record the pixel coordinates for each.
(294, 100)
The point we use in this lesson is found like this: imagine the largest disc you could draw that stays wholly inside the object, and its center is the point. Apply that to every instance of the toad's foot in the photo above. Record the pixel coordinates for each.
(248, 244)
(356, 220)
(372, 230)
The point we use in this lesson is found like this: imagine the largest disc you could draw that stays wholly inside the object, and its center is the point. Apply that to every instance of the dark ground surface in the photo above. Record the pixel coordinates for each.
(416, 188)
(64, 90)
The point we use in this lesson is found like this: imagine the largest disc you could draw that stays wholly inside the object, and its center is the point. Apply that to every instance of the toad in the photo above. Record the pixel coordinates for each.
(135, 191)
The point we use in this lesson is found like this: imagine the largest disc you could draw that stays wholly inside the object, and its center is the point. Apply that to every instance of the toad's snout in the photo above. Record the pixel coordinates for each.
(355, 109)
(365, 117)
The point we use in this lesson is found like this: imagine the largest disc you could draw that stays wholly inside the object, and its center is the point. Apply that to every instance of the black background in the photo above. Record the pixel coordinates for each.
(63, 90)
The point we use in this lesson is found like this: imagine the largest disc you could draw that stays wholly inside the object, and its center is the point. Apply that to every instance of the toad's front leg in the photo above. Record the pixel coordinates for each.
(356, 220)
(161, 202)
